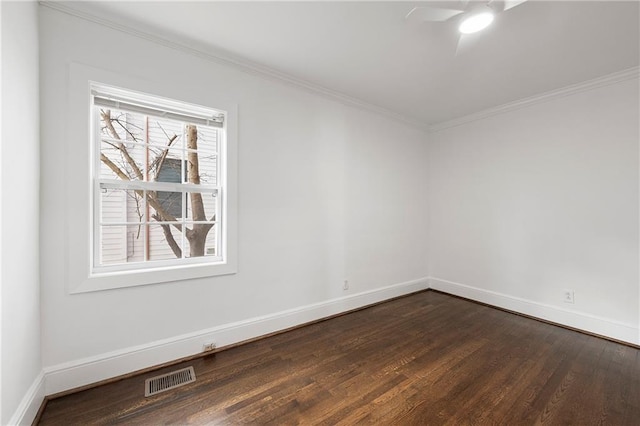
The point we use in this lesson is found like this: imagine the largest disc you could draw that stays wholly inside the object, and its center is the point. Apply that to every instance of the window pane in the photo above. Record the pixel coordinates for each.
(202, 206)
(161, 241)
(208, 139)
(121, 244)
(164, 133)
(204, 241)
(165, 206)
(125, 126)
(211, 244)
(165, 164)
(120, 205)
(122, 159)
(208, 167)
(207, 155)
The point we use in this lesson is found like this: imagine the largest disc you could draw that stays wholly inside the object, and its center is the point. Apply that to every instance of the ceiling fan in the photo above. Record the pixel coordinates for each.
(472, 17)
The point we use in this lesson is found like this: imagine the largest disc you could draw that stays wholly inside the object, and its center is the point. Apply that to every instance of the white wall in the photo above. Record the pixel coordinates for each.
(327, 192)
(19, 165)
(530, 202)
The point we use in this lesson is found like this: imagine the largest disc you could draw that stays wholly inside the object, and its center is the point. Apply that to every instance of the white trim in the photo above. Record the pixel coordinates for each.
(590, 323)
(78, 193)
(93, 369)
(237, 63)
(147, 104)
(156, 186)
(26, 412)
(613, 78)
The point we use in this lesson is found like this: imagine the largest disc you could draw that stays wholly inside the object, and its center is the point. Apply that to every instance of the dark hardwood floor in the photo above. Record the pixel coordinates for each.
(428, 358)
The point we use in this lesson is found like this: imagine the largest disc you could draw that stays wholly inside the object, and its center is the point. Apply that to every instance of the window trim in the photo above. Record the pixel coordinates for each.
(79, 192)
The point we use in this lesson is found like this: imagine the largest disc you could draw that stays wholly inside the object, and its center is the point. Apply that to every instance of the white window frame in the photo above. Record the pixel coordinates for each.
(81, 276)
(104, 96)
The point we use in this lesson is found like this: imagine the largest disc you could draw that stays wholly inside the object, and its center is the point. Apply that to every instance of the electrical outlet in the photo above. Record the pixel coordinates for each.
(208, 346)
(345, 286)
(568, 296)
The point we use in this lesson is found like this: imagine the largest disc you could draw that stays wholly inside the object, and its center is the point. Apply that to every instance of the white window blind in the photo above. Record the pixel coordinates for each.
(158, 107)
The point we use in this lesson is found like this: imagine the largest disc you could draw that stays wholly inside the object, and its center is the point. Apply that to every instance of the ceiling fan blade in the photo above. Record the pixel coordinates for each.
(431, 14)
(510, 4)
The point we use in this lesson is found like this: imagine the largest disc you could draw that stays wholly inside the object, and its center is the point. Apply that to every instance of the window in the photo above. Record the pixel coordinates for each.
(158, 182)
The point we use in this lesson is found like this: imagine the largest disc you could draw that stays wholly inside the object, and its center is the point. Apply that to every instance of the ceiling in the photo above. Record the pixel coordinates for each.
(368, 51)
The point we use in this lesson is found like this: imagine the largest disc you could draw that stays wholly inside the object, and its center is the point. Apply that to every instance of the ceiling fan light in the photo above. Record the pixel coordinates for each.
(474, 23)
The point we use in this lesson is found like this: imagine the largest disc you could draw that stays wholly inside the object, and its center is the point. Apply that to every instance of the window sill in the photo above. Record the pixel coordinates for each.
(124, 279)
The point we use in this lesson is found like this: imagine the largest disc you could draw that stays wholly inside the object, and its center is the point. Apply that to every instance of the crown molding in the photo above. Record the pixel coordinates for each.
(238, 63)
(613, 78)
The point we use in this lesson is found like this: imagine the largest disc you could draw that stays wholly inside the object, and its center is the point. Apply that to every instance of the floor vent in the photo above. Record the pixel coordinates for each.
(169, 381)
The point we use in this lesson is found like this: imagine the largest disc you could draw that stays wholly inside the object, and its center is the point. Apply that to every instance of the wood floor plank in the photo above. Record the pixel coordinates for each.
(427, 358)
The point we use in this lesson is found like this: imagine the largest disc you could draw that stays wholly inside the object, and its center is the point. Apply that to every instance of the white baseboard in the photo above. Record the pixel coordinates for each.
(571, 318)
(85, 371)
(26, 412)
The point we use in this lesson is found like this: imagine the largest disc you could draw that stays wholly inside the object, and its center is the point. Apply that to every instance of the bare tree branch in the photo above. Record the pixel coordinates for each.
(114, 168)
(106, 118)
(117, 120)
(163, 156)
(166, 229)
